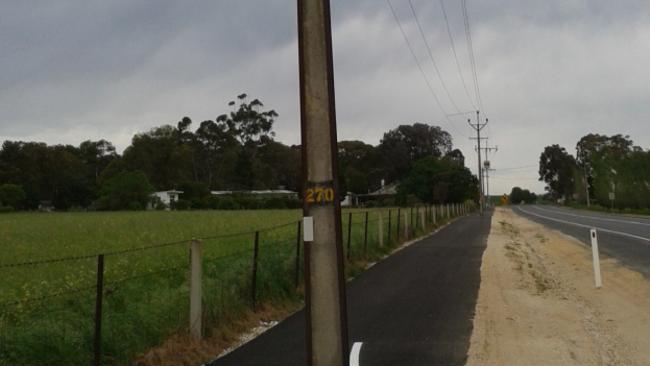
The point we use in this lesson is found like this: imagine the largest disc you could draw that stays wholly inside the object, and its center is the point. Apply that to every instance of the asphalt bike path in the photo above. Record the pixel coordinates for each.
(413, 308)
(626, 238)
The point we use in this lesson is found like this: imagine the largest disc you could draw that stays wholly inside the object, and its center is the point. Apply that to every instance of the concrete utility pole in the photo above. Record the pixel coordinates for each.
(478, 127)
(326, 317)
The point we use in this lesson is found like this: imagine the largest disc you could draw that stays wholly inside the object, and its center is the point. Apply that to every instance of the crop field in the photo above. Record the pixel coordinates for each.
(48, 269)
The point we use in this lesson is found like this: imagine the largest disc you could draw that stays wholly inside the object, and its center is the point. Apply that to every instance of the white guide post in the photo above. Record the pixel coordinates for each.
(596, 259)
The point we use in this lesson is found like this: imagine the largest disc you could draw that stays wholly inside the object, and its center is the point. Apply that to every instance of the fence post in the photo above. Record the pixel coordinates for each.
(297, 274)
(433, 215)
(365, 235)
(256, 249)
(413, 223)
(406, 225)
(195, 289)
(380, 225)
(349, 253)
(98, 310)
(399, 220)
(389, 226)
(422, 218)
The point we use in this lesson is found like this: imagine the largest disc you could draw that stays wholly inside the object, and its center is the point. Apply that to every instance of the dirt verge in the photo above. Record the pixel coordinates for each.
(537, 303)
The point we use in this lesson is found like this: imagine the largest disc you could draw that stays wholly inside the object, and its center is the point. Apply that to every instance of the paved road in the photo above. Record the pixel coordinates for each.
(622, 237)
(413, 308)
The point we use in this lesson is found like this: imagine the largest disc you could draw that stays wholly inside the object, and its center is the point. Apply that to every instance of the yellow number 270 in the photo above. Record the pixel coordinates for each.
(319, 195)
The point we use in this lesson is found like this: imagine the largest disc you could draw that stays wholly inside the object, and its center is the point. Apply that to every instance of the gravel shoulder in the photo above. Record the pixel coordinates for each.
(537, 303)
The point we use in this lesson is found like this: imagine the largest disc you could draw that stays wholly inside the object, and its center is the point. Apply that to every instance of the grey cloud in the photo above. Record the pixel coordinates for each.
(550, 71)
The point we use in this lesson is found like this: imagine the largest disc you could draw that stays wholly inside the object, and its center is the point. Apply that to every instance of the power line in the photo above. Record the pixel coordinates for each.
(517, 167)
(470, 51)
(453, 49)
(419, 65)
(433, 60)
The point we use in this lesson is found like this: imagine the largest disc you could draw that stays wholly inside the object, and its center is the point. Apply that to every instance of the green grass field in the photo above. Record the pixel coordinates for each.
(47, 309)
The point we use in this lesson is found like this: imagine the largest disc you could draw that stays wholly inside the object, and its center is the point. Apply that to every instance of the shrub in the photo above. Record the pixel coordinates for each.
(123, 190)
(4, 209)
(181, 205)
(12, 195)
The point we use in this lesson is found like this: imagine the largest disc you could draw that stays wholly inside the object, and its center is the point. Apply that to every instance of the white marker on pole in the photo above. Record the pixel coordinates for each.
(596, 259)
(308, 228)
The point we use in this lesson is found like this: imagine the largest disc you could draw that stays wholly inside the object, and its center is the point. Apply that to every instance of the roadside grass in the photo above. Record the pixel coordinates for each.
(47, 310)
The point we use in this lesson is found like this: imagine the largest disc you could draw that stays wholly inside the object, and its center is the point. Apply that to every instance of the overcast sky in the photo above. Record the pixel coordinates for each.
(549, 71)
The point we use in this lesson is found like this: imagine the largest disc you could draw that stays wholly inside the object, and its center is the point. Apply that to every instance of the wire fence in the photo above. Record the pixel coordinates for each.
(120, 303)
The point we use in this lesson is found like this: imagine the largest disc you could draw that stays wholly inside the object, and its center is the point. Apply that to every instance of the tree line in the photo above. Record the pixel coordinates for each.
(606, 170)
(235, 151)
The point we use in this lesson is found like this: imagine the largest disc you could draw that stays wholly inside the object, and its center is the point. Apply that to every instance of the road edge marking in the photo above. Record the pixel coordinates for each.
(585, 226)
(559, 212)
(355, 353)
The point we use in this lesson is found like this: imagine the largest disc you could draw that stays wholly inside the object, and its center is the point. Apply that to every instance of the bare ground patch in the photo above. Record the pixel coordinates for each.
(538, 306)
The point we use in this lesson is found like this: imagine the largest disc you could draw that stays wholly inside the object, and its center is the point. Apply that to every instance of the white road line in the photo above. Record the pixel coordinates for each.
(587, 226)
(354, 354)
(592, 217)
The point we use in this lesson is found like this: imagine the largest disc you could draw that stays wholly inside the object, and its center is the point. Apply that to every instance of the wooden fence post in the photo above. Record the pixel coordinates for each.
(99, 299)
(380, 226)
(399, 220)
(422, 218)
(433, 215)
(195, 289)
(413, 223)
(406, 225)
(349, 253)
(256, 249)
(365, 235)
(389, 227)
(298, 242)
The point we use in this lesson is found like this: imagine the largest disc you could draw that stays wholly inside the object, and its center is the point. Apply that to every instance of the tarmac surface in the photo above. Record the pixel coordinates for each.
(413, 308)
(625, 238)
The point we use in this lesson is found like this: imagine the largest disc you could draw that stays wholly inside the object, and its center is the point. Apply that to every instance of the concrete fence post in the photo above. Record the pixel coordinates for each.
(196, 270)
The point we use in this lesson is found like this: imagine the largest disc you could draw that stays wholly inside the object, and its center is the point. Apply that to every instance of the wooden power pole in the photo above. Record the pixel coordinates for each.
(327, 341)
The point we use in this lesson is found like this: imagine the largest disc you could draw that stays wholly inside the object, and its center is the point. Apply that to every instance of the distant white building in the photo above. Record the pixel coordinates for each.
(350, 200)
(164, 197)
(261, 193)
